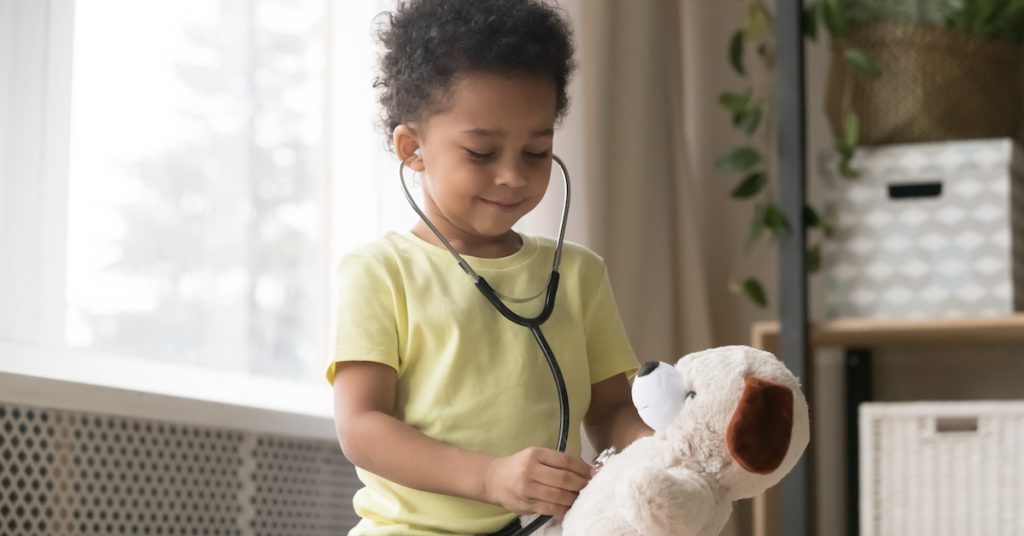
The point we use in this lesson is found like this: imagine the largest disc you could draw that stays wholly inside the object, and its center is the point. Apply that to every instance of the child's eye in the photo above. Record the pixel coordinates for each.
(480, 156)
(536, 155)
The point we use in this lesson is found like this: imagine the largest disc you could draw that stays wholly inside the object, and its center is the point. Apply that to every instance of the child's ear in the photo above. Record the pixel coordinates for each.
(407, 145)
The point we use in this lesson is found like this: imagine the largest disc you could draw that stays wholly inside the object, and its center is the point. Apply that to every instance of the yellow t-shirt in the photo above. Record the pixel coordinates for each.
(467, 376)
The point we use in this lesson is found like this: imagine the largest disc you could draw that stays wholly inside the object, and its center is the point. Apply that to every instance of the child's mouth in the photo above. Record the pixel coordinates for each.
(508, 207)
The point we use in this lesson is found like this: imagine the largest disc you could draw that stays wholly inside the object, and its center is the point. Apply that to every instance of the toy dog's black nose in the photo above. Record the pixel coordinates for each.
(647, 368)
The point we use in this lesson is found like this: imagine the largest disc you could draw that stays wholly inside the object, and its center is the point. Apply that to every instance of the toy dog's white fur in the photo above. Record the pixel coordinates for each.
(720, 418)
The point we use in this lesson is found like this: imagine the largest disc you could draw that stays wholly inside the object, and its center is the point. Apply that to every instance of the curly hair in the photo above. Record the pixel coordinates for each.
(429, 43)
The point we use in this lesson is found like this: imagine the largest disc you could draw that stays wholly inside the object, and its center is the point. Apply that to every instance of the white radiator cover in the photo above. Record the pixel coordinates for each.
(65, 472)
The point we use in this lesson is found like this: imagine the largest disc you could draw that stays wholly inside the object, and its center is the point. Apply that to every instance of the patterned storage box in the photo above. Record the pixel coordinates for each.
(927, 230)
(942, 468)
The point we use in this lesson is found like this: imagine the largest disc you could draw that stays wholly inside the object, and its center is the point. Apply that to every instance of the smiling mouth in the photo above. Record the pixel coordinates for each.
(504, 206)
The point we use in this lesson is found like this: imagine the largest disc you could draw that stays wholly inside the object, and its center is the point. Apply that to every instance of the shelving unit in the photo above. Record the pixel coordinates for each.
(854, 333)
(859, 338)
(788, 509)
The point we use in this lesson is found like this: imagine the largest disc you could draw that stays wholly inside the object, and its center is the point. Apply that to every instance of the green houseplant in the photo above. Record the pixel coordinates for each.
(952, 70)
(858, 73)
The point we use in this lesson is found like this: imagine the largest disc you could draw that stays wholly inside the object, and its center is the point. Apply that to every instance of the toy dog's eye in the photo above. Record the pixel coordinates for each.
(691, 395)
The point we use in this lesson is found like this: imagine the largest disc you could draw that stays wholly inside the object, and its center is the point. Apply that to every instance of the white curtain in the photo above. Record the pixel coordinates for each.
(35, 85)
(635, 198)
(641, 137)
(366, 199)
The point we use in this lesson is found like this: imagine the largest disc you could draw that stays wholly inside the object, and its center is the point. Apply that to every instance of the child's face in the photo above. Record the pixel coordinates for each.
(487, 157)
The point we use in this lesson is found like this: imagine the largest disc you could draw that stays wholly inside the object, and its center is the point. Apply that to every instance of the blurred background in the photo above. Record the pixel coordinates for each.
(177, 179)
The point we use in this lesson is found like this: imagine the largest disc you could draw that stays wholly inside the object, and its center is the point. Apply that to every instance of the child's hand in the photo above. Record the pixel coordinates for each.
(536, 481)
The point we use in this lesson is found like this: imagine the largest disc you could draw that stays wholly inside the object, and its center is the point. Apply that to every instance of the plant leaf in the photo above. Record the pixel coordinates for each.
(775, 220)
(811, 218)
(735, 102)
(814, 259)
(755, 292)
(736, 52)
(756, 225)
(851, 129)
(814, 221)
(749, 120)
(835, 20)
(846, 166)
(809, 22)
(861, 63)
(751, 186)
(844, 150)
(757, 22)
(739, 159)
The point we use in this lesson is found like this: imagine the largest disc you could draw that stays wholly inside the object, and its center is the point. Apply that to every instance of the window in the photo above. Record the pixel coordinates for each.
(194, 177)
(176, 180)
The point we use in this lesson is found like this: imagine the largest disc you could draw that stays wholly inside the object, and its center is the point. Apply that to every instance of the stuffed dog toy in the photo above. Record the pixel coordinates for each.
(729, 423)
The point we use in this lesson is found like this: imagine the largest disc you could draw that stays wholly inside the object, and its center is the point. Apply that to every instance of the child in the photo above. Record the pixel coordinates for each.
(447, 409)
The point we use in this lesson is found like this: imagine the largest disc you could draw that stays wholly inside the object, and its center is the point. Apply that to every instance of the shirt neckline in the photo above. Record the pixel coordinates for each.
(524, 254)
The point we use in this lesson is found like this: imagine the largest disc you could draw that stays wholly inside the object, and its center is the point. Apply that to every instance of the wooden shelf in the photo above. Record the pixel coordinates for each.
(870, 333)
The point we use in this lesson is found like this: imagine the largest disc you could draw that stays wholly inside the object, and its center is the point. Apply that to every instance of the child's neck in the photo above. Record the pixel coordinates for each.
(474, 246)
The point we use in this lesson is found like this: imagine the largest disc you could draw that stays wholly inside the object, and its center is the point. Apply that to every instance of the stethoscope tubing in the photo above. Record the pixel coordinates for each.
(533, 324)
(458, 258)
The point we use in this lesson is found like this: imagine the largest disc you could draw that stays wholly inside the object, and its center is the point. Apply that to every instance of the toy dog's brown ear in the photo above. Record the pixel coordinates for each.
(759, 433)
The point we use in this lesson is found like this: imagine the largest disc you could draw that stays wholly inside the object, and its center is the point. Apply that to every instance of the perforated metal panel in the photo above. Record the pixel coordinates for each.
(63, 472)
(299, 487)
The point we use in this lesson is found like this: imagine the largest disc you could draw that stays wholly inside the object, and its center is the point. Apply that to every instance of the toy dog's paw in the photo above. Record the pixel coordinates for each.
(666, 503)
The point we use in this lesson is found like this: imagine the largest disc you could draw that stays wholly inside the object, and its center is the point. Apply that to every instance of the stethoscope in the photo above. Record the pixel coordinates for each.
(532, 323)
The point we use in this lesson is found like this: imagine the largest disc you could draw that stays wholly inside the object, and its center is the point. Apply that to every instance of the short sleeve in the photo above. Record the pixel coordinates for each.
(367, 325)
(608, 349)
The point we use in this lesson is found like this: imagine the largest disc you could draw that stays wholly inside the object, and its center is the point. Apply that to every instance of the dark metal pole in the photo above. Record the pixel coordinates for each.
(797, 500)
(858, 391)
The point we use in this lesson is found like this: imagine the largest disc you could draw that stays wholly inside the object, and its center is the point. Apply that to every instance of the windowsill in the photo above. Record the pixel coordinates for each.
(85, 381)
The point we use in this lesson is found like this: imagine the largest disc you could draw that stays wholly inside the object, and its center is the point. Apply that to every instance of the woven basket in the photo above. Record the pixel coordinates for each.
(942, 468)
(935, 85)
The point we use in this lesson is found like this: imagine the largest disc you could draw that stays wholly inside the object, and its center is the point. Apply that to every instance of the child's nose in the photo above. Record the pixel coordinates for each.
(511, 176)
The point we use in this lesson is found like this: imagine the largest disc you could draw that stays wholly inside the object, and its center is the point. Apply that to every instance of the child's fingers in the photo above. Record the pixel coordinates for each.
(540, 499)
(561, 460)
(541, 493)
(559, 478)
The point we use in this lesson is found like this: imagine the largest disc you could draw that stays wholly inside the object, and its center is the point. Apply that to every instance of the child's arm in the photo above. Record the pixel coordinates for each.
(611, 419)
(532, 481)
